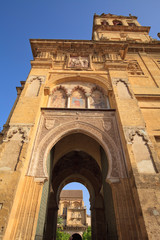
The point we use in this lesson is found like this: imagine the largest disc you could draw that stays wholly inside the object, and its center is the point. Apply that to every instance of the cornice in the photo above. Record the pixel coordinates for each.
(121, 28)
(84, 47)
(73, 46)
(151, 47)
(109, 15)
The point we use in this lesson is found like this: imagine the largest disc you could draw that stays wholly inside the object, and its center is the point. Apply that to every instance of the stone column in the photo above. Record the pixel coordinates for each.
(69, 101)
(88, 102)
(23, 218)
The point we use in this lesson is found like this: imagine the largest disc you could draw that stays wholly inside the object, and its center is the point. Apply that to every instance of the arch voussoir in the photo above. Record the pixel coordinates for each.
(103, 130)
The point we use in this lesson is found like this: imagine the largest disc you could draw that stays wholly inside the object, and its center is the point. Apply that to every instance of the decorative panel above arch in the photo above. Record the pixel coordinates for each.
(100, 125)
(79, 94)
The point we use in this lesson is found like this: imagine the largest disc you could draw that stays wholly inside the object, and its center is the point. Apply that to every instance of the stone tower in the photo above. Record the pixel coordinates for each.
(89, 112)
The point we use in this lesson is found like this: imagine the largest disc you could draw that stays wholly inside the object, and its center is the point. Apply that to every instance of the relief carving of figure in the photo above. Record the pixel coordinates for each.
(79, 62)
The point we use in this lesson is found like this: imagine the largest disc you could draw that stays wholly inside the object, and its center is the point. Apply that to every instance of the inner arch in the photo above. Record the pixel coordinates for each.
(69, 161)
(76, 236)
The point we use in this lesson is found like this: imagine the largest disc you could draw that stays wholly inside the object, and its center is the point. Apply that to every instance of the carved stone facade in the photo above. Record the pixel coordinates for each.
(73, 212)
(89, 112)
(102, 125)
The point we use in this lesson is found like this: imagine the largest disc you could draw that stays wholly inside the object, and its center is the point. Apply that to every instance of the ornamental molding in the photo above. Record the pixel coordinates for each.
(100, 125)
(130, 132)
(17, 133)
(40, 78)
(124, 80)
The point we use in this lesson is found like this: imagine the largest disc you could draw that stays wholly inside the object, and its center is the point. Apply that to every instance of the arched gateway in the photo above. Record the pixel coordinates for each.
(88, 112)
(83, 146)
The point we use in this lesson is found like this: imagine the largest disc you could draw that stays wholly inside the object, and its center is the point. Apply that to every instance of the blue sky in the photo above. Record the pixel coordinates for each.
(21, 20)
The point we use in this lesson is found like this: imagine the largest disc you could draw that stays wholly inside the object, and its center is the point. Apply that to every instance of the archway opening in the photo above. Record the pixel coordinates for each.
(72, 212)
(76, 236)
(79, 158)
(85, 192)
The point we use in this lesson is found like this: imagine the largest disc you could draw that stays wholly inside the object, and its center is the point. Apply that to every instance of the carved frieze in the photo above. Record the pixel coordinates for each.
(134, 68)
(100, 125)
(98, 58)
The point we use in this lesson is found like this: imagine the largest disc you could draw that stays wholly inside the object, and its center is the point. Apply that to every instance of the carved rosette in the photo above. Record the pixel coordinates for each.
(17, 133)
(100, 125)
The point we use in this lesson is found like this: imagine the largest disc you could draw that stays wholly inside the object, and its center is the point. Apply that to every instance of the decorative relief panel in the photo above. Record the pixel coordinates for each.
(78, 62)
(134, 68)
(56, 57)
(40, 78)
(122, 88)
(34, 85)
(17, 133)
(101, 126)
(78, 95)
(16, 136)
(102, 58)
(141, 149)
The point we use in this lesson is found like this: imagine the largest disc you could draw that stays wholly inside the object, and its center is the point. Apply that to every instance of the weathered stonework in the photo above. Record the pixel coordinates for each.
(99, 124)
(88, 112)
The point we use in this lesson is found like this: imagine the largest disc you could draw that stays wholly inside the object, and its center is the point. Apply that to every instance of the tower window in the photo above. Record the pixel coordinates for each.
(117, 22)
(131, 24)
(104, 23)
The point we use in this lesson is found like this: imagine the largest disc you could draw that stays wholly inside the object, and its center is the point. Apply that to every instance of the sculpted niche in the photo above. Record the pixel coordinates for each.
(34, 85)
(141, 150)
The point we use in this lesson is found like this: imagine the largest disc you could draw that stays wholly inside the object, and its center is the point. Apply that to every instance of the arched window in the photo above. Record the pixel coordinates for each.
(98, 100)
(58, 99)
(131, 24)
(117, 22)
(78, 99)
(76, 205)
(104, 22)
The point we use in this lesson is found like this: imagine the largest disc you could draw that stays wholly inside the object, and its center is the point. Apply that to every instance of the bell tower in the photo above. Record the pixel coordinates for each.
(110, 27)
